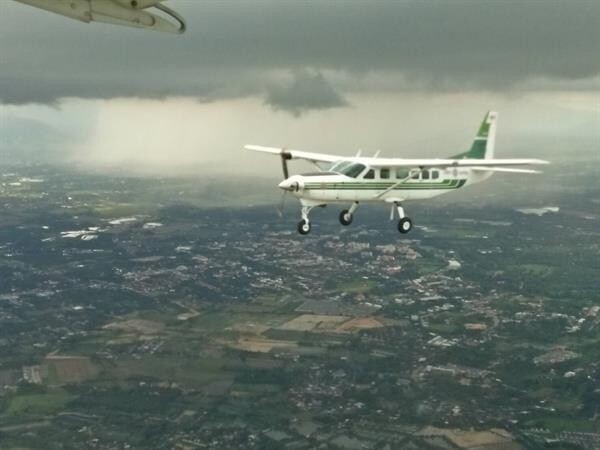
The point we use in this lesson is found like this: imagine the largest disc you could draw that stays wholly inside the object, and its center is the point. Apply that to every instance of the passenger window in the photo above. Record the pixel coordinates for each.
(435, 174)
(425, 175)
(385, 174)
(401, 173)
(370, 174)
(415, 174)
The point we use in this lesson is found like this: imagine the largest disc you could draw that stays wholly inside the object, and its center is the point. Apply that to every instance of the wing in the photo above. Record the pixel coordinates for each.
(295, 154)
(503, 170)
(138, 14)
(492, 165)
(443, 163)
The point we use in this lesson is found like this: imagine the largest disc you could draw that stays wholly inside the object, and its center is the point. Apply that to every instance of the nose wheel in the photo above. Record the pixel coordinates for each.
(304, 227)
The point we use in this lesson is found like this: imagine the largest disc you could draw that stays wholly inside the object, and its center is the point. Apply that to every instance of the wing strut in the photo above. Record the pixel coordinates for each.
(402, 181)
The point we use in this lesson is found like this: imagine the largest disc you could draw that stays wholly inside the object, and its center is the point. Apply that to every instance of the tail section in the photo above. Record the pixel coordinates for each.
(483, 145)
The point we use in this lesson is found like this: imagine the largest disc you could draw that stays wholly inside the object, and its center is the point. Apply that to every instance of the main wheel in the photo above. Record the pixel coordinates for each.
(405, 225)
(304, 227)
(346, 217)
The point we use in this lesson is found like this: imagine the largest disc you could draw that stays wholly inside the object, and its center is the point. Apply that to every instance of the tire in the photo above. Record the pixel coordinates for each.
(304, 227)
(404, 225)
(346, 217)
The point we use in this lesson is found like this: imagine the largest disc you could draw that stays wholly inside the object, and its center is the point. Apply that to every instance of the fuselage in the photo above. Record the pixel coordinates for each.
(368, 184)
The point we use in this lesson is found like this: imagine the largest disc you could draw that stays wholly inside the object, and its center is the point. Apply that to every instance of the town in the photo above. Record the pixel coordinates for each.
(133, 316)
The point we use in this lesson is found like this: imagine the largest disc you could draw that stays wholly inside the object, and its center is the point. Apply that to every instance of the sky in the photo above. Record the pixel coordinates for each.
(409, 78)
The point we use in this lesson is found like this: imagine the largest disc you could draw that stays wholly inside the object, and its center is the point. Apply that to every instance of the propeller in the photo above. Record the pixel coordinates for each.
(285, 157)
(281, 204)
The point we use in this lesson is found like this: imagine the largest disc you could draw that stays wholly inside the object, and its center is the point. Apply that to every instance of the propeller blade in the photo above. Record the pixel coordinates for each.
(281, 205)
(284, 166)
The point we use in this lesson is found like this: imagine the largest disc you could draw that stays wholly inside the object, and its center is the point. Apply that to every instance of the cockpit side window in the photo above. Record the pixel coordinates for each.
(353, 170)
(334, 167)
(369, 175)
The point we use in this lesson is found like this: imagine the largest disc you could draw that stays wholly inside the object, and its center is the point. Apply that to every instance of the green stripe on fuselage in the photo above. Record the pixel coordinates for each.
(379, 186)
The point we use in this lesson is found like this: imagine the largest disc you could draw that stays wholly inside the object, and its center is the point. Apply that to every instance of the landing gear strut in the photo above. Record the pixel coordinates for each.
(404, 224)
(304, 226)
(347, 215)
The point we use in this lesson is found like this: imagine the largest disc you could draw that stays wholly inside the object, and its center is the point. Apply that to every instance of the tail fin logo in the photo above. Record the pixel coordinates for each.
(483, 144)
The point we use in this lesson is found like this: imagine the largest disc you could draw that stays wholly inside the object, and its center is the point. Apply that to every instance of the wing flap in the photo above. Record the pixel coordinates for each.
(504, 170)
(441, 163)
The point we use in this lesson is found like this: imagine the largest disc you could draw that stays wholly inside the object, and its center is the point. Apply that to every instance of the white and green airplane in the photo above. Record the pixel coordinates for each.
(393, 181)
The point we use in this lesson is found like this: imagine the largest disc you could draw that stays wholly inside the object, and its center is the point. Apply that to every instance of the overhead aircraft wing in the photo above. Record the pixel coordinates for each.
(295, 154)
(131, 13)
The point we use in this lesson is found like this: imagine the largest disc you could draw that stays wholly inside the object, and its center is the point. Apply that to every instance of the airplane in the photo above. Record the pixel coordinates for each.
(132, 13)
(393, 181)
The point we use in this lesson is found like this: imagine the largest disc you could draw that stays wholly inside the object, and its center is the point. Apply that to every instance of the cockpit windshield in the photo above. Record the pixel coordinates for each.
(353, 170)
(338, 166)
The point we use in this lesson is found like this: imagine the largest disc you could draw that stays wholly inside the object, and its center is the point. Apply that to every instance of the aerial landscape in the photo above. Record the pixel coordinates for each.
(157, 291)
(127, 322)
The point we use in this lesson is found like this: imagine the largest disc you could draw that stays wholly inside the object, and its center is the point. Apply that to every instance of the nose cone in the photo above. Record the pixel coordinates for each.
(288, 185)
(292, 184)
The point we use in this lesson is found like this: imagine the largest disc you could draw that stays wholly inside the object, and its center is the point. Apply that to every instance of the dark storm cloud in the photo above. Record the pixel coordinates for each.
(235, 49)
(306, 91)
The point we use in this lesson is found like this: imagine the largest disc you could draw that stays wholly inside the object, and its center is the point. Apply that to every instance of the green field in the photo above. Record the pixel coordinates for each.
(536, 270)
(186, 372)
(38, 404)
(357, 287)
(563, 424)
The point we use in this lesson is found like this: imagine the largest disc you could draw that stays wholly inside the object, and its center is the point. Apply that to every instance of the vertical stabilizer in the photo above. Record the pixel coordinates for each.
(483, 144)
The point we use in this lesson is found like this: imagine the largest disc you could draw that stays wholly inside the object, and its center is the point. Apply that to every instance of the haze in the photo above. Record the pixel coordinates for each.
(407, 78)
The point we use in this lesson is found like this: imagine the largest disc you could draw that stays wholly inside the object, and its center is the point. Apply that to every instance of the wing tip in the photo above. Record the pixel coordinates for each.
(261, 148)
